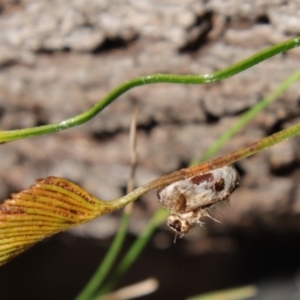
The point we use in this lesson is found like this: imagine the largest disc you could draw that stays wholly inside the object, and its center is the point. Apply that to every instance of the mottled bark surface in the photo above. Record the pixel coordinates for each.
(58, 58)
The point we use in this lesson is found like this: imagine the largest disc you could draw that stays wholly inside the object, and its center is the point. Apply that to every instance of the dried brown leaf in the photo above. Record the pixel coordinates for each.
(49, 206)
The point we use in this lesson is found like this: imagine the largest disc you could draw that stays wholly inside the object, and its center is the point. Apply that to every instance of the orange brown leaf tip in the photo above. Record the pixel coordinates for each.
(49, 206)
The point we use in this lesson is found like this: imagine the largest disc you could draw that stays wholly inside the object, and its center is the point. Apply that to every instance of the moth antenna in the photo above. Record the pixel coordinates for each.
(205, 213)
(216, 209)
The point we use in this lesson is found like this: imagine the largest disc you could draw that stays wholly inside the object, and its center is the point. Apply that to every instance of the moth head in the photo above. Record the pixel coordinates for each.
(179, 225)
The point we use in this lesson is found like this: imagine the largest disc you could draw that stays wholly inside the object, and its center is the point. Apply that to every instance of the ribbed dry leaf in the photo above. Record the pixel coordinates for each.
(49, 206)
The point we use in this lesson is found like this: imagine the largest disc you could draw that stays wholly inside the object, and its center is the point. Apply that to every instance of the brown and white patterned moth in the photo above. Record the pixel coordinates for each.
(188, 199)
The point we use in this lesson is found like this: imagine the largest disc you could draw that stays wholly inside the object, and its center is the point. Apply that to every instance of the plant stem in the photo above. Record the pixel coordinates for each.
(247, 117)
(7, 136)
(91, 287)
(218, 162)
(135, 250)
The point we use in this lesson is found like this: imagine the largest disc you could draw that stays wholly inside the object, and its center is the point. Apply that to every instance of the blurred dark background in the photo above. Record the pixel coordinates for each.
(58, 58)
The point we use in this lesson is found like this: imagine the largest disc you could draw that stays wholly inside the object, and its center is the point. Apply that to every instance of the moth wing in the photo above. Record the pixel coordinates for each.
(172, 198)
(199, 197)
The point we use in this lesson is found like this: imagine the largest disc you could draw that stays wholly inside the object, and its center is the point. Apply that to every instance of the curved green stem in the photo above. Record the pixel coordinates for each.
(6, 136)
(246, 118)
(217, 162)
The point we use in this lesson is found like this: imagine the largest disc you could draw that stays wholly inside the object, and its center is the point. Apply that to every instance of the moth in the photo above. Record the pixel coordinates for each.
(188, 199)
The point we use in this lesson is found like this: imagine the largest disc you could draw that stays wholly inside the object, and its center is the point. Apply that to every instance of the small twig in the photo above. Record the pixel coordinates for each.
(139, 289)
(133, 159)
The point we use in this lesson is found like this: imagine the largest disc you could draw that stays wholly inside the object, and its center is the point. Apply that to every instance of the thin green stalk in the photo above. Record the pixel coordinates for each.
(134, 251)
(99, 276)
(7, 136)
(246, 118)
(256, 147)
(218, 162)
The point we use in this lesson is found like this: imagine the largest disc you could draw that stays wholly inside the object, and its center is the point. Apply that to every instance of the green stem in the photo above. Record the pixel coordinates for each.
(99, 276)
(218, 162)
(135, 251)
(12, 135)
(253, 148)
(246, 118)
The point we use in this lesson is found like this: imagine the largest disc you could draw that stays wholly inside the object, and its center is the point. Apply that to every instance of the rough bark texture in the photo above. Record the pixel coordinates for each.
(58, 58)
